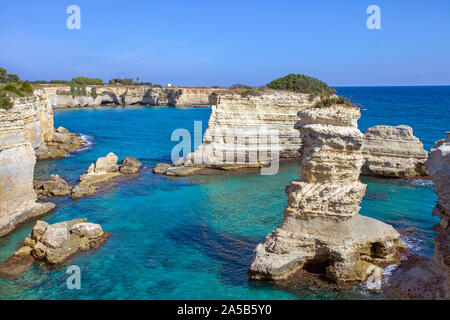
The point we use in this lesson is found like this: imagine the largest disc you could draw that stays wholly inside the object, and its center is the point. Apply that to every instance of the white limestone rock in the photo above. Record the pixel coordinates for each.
(321, 222)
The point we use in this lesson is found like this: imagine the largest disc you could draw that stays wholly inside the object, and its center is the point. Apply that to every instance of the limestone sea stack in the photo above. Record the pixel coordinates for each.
(393, 152)
(422, 277)
(241, 129)
(54, 244)
(322, 226)
(22, 128)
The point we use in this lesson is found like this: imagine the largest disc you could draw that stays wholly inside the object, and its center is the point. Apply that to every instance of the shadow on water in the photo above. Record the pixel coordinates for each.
(234, 253)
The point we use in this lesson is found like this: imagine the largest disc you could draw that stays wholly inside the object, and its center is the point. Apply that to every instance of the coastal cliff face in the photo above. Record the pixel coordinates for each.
(322, 227)
(60, 96)
(241, 130)
(245, 126)
(421, 277)
(393, 152)
(22, 128)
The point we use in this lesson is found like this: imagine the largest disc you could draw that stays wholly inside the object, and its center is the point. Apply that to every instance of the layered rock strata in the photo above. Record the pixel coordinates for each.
(54, 244)
(22, 128)
(61, 97)
(393, 152)
(249, 131)
(421, 277)
(322, 228)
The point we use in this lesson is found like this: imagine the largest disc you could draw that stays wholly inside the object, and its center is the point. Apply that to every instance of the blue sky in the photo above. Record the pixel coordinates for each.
(225, 42)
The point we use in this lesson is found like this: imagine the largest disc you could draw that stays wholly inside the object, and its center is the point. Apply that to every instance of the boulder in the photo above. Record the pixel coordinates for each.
(106, 164)
(59, 242)
(55, 235)
(161, 168)
(61, 138)
(62, 130)
(55, 186)
(86, 229)
(130, 165)
(104, 173)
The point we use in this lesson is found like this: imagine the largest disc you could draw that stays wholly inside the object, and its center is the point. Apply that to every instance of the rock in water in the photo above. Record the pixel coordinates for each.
(103, 173)
(393, 152)
(421, 277)
(161, 168)
(54, 244)
(106, 164)
(54, 187)
(241, 130)
(130, 165)
(322, 227)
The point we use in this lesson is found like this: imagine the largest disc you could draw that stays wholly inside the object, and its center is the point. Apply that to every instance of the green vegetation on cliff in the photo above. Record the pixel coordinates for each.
(5, 101)
(51, 82)
(8, 78)
(302, 83)
(120, 81)
(328, 101)
(24, 89)
(87, 81)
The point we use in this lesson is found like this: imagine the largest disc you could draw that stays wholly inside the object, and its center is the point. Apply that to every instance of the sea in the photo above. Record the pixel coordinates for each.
(193, 237)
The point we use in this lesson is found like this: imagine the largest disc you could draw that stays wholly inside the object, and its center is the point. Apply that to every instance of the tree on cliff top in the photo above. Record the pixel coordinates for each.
(87, 81)
(302, 83)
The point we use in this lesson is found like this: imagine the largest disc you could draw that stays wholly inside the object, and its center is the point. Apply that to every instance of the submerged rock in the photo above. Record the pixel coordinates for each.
(421, 277)
(54, 244)
(393, 152)
(322, 228)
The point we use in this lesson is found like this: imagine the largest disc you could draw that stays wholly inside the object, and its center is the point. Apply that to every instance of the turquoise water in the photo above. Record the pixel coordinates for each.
(192, 238)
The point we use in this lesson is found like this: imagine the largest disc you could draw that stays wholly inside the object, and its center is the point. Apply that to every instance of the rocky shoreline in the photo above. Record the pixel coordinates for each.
(322, 232)
(60, 96)
(104, 172)
(422, 277)
(240, 135)
(53, 244)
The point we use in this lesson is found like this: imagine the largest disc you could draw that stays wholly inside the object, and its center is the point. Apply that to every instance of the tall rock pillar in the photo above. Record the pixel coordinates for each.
(322, 227)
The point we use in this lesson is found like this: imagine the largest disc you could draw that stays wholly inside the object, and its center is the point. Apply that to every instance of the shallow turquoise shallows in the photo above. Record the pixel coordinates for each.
(192, 238)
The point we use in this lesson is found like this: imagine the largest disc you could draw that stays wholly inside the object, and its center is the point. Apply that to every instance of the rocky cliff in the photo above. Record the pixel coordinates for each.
(60, 96)
(421, 277)
(245, 127)
(22, 128)
(393, 152)
(322, 228)
(245, 131)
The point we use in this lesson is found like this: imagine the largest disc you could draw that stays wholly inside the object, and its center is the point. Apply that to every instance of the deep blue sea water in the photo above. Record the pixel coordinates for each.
(192, 238)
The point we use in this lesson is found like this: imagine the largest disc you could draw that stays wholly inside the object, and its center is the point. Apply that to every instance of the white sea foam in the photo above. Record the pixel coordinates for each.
(422, 183)
(88, 144)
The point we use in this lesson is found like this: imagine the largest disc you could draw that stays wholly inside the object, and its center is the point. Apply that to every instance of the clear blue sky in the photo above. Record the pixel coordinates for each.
(226, 42)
